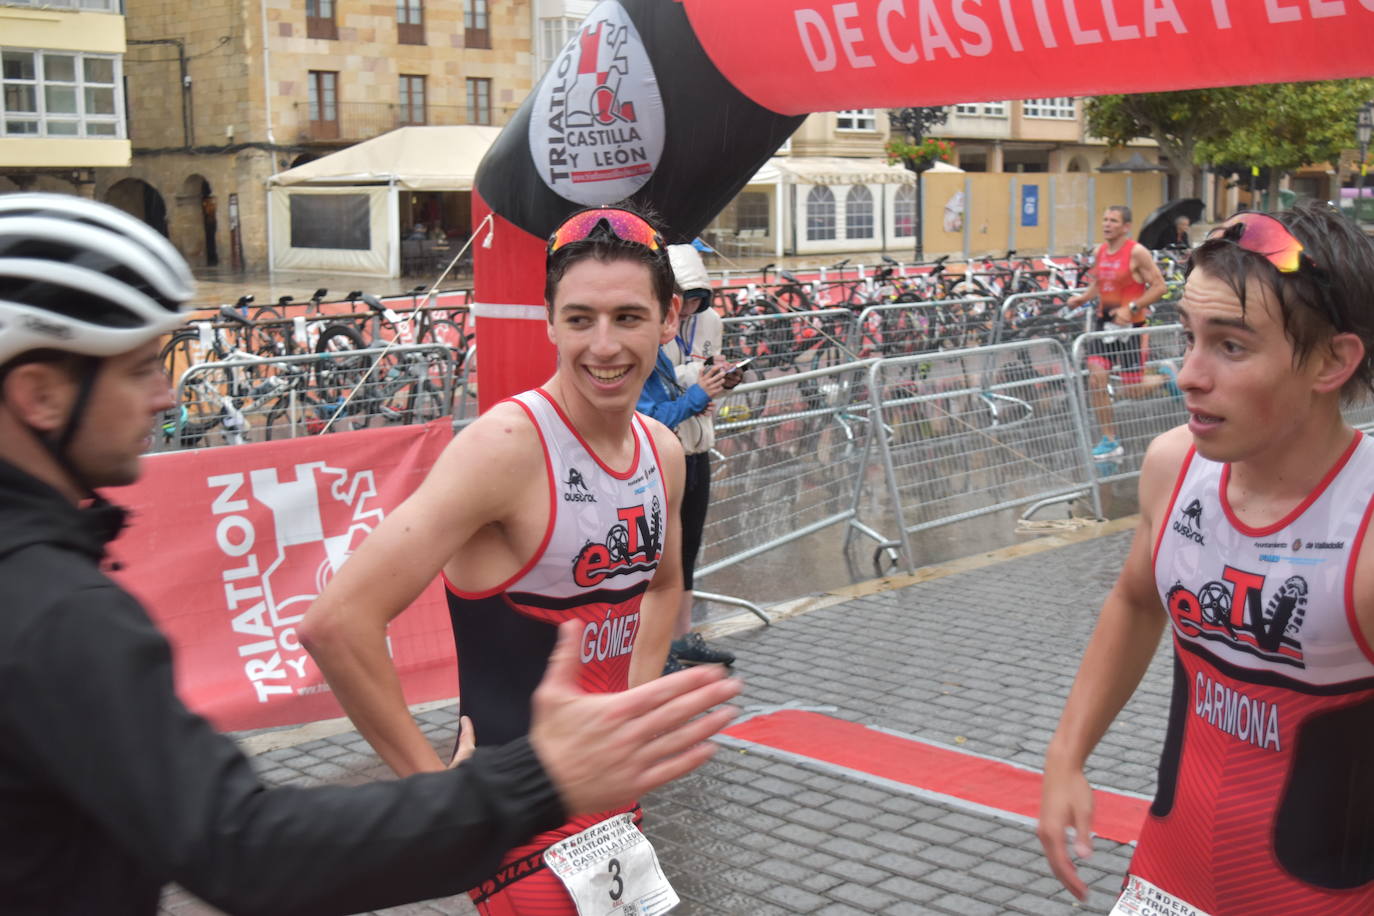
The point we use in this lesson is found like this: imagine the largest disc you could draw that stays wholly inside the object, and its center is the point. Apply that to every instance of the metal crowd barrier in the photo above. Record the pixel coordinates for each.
(904, 328)
(465, 389)
(966, 433)
(789, 454)
(787, 342)
(1139, 405)
(255, 400)
(1361, 414)
(1024, 316)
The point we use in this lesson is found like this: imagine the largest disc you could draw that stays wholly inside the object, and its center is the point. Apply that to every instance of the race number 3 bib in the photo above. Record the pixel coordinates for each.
(1141, 898)
(610, 869)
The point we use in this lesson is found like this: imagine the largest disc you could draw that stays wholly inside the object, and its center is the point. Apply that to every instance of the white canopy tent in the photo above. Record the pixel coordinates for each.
(781, 171)
(342, 212)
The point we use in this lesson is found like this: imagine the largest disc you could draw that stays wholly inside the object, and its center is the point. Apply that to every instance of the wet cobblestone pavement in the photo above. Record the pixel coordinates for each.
(975, 655)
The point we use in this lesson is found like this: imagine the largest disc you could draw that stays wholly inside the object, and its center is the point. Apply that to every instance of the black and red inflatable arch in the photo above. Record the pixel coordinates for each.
(676, 103)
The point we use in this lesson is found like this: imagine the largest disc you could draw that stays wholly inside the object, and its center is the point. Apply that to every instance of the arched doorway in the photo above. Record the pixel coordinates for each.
(1077, 164)
(136, 196)
(198, 220)
(303, 158)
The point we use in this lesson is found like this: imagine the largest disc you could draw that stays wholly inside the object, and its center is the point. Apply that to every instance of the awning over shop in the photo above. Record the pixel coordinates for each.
(411, 158)
(836, 170)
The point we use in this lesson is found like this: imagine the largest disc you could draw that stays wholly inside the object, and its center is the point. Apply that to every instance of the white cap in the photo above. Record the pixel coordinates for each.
(688, 269)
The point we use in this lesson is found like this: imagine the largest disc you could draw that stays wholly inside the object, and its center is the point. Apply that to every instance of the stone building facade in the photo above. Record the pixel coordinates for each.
(61, 94)
(225, 93)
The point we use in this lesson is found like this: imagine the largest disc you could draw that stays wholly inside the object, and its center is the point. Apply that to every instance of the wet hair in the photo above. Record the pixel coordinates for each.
(606, 248)
(1123, 210)
(1331, 293)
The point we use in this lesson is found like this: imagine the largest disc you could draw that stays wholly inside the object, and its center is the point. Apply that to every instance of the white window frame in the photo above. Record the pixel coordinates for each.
(857, 119)
(80, 118)
(904, 205)
(859, 208)
(1059, 108)
(410, 12)
(87, 6)
(411, 101)
(479, 110)
(981, 109)
(477, 15)
(820, 214)
(554, 34)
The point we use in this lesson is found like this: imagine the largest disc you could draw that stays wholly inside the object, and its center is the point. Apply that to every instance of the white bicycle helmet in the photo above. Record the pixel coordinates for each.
(84, 277)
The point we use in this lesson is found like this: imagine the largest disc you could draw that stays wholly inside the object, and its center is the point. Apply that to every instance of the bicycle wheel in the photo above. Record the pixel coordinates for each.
(269, 336)
(1050, 327)
(792, 299)
(428, 403)
(443, 373)
(391, 395)
(179, 353)
(338, 371)
(206, 396)
(283, 419)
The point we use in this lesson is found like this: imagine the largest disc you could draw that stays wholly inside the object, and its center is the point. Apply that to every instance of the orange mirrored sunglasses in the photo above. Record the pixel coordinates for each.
(624, 225)
(1265, 236)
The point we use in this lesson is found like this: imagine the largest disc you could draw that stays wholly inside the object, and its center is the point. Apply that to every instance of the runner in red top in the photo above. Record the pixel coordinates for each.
(1126, 282)
(1251, 546)
(559, 504)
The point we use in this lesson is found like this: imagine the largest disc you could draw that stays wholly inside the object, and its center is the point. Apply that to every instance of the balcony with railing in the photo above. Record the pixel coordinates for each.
(351, 122)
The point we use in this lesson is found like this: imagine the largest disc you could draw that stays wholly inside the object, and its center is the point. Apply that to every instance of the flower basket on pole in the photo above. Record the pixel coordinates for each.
(917, 157)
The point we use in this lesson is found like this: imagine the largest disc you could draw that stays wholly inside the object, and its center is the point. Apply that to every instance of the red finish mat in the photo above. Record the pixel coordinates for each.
(932, 768)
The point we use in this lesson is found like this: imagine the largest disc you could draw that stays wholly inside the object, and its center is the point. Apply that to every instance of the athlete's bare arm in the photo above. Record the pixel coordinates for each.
(659, 609)
(1145, 270)
(477, 494)
(1089, 292)
(1122, 645)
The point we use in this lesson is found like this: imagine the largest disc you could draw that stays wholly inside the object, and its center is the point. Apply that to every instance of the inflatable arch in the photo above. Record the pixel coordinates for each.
(677, 103)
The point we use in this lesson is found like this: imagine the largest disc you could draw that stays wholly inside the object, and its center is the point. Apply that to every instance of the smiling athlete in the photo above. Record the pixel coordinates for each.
(555, 505)
(1251, 545)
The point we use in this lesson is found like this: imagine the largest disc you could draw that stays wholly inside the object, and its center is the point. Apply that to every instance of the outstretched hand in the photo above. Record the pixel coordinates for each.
(467, 742)
(1066, 801)
(602, 750)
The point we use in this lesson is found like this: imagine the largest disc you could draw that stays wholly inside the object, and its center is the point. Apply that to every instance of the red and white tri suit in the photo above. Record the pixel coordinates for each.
(1116, 286)
(599, 552)
(1265, 802)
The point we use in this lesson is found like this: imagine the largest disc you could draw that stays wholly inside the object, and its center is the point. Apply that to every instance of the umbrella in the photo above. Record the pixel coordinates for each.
(1158, 229)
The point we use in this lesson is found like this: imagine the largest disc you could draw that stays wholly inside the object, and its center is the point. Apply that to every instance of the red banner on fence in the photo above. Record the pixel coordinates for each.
(799, 56)
(229, 546)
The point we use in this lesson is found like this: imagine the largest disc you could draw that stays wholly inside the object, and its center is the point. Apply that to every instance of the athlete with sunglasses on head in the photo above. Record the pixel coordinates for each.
(558, 504)
(1251, 547)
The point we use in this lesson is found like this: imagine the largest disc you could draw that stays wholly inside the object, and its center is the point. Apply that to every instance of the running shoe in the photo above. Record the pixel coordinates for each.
(692, 650)
(672, 665)
(1107, 448)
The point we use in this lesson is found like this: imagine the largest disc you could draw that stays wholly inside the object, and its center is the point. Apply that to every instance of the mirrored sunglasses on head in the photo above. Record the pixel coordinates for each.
(1265, 236)
(602, 221)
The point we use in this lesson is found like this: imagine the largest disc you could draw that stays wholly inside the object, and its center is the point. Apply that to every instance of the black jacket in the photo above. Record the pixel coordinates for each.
(109, 787)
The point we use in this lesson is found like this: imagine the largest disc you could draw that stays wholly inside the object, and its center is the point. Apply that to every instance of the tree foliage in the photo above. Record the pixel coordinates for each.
(1288, 125)
(1177, 121)
(1279, 126)
(914, 122)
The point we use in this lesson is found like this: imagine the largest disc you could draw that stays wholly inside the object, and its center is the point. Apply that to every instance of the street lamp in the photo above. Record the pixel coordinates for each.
(1364, 126)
